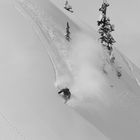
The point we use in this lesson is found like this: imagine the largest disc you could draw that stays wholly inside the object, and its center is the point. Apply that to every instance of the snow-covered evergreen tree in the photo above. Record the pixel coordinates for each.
(105, 28)
(67, 36)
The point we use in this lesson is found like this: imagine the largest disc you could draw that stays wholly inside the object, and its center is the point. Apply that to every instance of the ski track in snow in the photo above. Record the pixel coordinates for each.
(47, 32)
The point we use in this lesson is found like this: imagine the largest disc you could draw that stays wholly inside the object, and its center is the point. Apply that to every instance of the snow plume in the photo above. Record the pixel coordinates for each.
(86, 64)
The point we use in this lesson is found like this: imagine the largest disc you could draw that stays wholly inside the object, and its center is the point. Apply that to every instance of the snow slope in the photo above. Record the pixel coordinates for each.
(30, 108)
(108, 102)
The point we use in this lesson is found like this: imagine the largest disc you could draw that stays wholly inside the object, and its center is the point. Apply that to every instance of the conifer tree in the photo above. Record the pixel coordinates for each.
(105, 28)
(67, 36)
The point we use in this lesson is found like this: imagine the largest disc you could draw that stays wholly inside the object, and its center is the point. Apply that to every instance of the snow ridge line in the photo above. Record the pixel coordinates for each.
(27, 10)
(130, 68)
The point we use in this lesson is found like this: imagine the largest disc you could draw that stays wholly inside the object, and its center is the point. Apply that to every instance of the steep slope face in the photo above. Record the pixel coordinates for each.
(46, 116)
(109, 102)
(119, 119)
(29, 106)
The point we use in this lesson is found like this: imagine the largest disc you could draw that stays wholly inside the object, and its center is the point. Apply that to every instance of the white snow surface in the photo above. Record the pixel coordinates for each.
(109, 103)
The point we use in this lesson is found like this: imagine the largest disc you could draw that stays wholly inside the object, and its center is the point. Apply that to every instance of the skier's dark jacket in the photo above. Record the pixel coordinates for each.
(66, 92)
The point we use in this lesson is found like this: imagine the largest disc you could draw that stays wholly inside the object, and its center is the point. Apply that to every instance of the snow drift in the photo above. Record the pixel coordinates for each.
(109, 102)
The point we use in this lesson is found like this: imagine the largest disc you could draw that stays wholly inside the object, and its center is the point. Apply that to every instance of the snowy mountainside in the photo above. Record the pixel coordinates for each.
(109, 102)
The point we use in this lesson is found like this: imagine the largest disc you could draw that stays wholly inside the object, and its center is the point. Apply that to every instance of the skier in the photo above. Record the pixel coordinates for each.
(67, 36)
(66, 93)
(68, 7)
